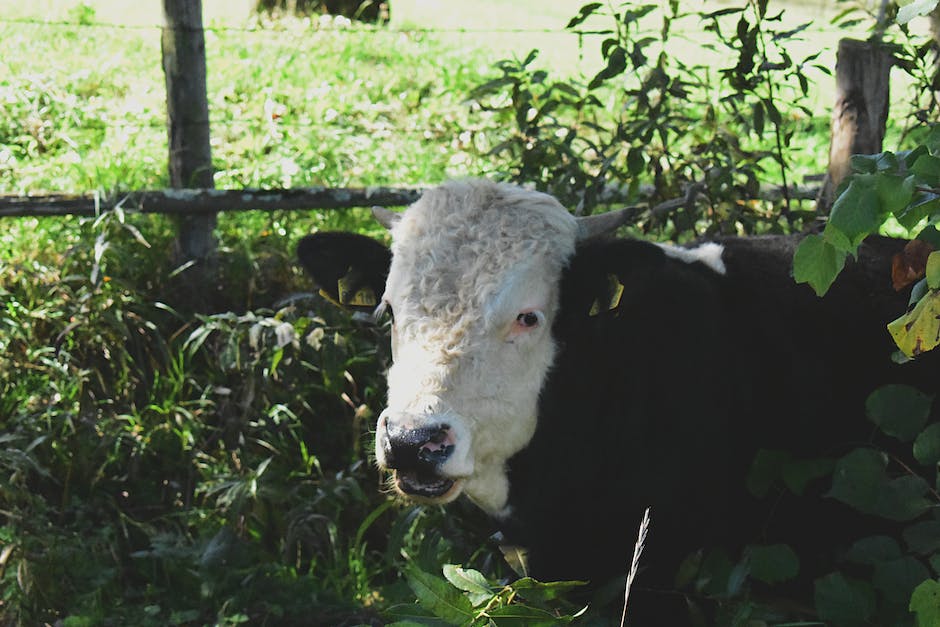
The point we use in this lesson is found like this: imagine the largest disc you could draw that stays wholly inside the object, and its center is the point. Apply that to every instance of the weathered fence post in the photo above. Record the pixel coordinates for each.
(861, 110)
(190, 163)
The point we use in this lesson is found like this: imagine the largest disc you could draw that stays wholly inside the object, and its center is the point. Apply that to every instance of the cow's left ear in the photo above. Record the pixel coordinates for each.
(605, 276)
(349, 269)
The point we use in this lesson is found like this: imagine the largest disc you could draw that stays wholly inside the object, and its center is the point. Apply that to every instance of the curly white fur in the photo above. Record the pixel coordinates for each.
(468, 257)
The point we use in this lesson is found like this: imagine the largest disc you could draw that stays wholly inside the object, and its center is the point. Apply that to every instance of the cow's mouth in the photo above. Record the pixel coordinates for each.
(426, 486)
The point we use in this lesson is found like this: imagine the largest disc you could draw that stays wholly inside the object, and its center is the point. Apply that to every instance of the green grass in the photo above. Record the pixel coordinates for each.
(296, 106)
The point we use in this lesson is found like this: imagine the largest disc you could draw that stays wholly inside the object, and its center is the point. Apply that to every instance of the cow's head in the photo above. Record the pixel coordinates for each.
(472, 289)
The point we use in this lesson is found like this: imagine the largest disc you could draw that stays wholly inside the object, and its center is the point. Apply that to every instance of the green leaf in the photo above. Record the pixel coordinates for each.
(908, 12)
(758, 118)
(716, 572)
(800, 472)
(856, 213)
(910, 157)
(858, 478)
(842, 600)
(773, 113)
(927, 169)
(439, 597)
(901, 411)
(586, 11)
(898, 578)
(817, 262)
(470, 581)
(773, 563)
(920, 205)
(636, 163)
(923, 538)
(933, 270)
(765, 470)
(886, 162)
(932, 143)
(538, 592)
(873, 550)
(927, 445)
(925, 603)
(525, 616)
(903, 498)
(918, 331)
(864, 164)
(894, 192)
(918, 292)
(931, 235)
(616, 64)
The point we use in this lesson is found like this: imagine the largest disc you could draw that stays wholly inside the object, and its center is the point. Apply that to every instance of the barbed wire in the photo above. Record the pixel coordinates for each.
(261, 29)
(262, 124)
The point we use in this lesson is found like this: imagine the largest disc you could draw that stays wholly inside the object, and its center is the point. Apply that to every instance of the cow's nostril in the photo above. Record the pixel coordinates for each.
(422, 449)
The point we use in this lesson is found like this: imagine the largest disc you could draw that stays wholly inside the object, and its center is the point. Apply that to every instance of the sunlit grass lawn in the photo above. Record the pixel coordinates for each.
(295, 106)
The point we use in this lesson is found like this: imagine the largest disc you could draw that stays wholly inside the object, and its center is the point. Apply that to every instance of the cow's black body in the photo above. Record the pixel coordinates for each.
(664, 400)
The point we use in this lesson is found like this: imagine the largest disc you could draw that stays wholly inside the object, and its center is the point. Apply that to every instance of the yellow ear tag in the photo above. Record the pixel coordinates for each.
(364, 297)
(612, 300)
(327, 296)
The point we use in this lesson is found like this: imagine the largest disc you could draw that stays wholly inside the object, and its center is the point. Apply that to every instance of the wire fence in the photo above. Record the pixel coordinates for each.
(363, 28)
(293, 36)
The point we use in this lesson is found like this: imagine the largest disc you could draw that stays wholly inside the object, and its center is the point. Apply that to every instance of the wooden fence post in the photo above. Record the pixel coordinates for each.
(184, 65)
(861, 110)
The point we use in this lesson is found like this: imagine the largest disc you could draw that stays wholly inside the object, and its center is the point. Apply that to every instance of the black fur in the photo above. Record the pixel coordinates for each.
(664, 402)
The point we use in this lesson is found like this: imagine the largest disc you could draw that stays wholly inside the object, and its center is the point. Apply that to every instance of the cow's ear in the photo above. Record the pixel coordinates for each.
(605, 276)
(349, 269)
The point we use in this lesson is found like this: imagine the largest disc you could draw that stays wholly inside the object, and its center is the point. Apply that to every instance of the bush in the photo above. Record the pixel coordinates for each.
(650, 127)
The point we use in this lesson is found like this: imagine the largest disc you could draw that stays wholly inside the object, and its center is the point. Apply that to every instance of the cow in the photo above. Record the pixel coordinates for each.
(564, 380)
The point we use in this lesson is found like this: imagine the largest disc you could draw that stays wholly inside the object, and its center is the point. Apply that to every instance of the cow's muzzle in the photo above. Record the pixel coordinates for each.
(416, 455)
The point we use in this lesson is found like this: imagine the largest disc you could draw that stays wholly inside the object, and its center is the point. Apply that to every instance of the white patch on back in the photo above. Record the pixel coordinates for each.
(708, 253)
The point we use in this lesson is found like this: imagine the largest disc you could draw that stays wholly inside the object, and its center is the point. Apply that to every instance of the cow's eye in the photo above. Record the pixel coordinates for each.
(528, 319)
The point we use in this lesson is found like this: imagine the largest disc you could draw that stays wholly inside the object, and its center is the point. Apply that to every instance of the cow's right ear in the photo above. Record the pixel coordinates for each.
(349, 269)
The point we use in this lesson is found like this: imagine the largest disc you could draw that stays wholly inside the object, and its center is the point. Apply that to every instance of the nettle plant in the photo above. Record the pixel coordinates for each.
(899, 194)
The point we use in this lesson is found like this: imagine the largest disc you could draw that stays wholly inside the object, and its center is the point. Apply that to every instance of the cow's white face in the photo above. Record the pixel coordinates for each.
(473, 291)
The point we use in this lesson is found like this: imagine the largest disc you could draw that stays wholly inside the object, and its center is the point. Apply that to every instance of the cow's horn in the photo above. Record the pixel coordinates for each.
(386, 218)
(592, 226)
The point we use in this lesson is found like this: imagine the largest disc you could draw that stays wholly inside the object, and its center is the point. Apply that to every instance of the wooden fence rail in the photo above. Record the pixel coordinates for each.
(207, 201)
